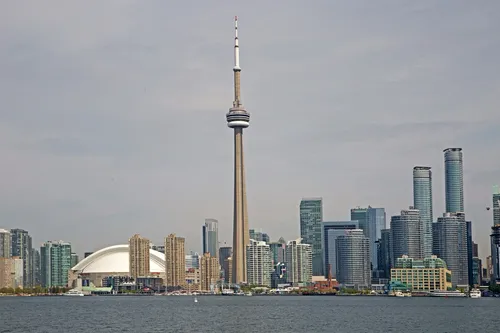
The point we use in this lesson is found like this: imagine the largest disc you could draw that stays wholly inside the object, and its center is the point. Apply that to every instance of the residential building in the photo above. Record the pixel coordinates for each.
(6, 272)
(74, 259)
(55, 263)
(17, 272)
(175, 261)
(227, 267)
(192, 260)
(209, 272)
(37, 278)
(477, 272)
(139, 256)
(422, 200)
(210, 235)
(5, 246)
(259, 236)
(278, 251)
(494, 263)
(259, 263)
(450, 244)
(21, 246)
(193, 276)
(422, 275)
(385, 253)
(298, 262)
(406, 234)
(454, 180)
(311, 217)
(353, 259)
(329, 233)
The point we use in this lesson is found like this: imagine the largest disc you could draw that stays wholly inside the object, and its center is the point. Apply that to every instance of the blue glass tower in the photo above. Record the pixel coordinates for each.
(454, 180)
(422, 200)
(311, 216)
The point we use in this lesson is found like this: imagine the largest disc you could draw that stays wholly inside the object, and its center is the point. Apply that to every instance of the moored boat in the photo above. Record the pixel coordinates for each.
(447, 293)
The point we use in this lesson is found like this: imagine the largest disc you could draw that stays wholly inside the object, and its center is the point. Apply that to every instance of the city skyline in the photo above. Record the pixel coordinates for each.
(135, 168)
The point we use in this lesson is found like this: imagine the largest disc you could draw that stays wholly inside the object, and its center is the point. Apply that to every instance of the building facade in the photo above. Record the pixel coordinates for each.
(21, 246)
(385, 253)
(278, 251)
(6, 272)
(259, 263)
(454, 180)
(139, 256)
(192, 260)
(407, 234)
(209, 272)
(353, 259)
(311, 217)
(329, 233)
(422, 200)
(211, 237)
(494, 265)
(175, 261)
(5, 246)
(55, 263)
(496, 207)
(422, 275)
(298, 262)
(259, 236)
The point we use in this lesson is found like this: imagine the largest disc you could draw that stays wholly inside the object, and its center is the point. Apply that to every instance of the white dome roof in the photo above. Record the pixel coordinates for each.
(114, 259)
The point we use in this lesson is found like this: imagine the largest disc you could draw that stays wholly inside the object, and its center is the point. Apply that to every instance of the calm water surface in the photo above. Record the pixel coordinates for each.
(247, 314)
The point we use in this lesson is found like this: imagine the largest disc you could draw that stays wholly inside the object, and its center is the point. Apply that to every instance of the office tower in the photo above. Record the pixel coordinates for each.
(298, 262)
(468, 225)
(385, 253)
(475, 250)
(371, 221)
(224, 253)
(175, 261)
(422, 200)
(422, 275)
(496, 206)
(406, 234)
(5, 246)
(211, 237)
(138, 248)
(21, 246)
(259, 236)
(238, 119)
(454, 180)
(6, 272)
(329, 233)
(450, 244)
(353, 258)
(192, 260)
(493, 264)
(74, 259)
(278, 276)
(477, 272)
(259, 263)
(209, 272)
(55, 263)
(37, 278)
(277, 251)
(311, 216)
(227, 266)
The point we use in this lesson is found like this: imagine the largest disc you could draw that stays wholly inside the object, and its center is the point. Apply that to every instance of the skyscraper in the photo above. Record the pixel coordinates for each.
(353, 258)
(298, 262)
(422, 200)
(209, 272)
(175, 261)
(21, 246)
(138, 248)
(454, 180)
(311, 216)
(238, 119)
(496, 206)
(406, 235)
(55, 262)
(5, 246)
(211, 237)
(385, 253)
(495, 255)
(329, 233)
(259, 263)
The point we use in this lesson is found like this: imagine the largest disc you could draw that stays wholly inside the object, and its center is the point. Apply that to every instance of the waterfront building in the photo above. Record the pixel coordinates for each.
(209, 272)
(450, 244)
(477, 272)
(422, 200)
(278, 276)
(74, 259)
(259, 236)
(6, 272)
(175, 261)
(385, 253)
(496, 206)
(227, 267)
(298, 262)
(494, 262)
(406, 234)
(55, 263)
(422, 275)
(210, 235)
(353, 259)
(278, 251)
(17, 272)
(259, 263)
(454, 180)
(193, 278)
(329, 233)
(37, 278)
(238, 119)
(192, 260)
(139, 256)
(5, 246)
(21, 246)
(311, 217)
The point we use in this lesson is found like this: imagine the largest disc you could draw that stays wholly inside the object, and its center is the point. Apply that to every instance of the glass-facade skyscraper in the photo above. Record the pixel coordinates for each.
(55, 257)
(454, 180)
(311, 216)
(330, 232)
(406, 235)
(353, 259)
(210, 234)
(21, 246)
(422, 200)
(496, 207)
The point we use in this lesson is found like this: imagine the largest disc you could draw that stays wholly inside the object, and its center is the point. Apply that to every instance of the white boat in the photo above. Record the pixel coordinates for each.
(399, 294)
(195, 300)
(445, 293)
(73, 292)
(475, 293)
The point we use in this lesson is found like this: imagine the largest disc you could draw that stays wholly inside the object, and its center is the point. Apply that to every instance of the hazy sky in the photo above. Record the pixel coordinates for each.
(112, 113)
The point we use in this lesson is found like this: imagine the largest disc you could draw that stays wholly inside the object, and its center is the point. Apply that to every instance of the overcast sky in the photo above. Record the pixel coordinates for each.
(112, 113)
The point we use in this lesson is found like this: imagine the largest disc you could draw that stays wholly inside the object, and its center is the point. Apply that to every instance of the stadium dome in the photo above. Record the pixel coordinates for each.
(114, 259)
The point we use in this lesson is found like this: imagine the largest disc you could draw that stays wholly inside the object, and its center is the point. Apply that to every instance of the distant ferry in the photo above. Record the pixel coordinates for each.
(445, 293)
(73, 292)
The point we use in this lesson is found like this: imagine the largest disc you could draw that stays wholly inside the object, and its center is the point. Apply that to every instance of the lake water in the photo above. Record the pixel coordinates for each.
(248, 314)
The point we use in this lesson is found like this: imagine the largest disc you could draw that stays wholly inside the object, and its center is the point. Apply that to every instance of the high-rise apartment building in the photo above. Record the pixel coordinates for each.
(55, 263)
(407, 234)
(493, 265)
(454, 180)
(138, 248)
(209, 272)
(6, 272)
(422, 200)
(37, 278)
(385, 253)
(329, 233)
(371, 221)
(210, 235)
(227, 267)
(5, 246)
(192, 260)
(298, 262)
(259, 263)
(175, 261)
(278, 251)
(74, 259)
(496, 206)
(353, 259)
(18, 272)
(21, 246)
(311, 217)
(259, 236)
(450, 244)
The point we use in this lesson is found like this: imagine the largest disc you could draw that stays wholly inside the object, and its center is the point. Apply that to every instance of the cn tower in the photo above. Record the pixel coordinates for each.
(238, 119)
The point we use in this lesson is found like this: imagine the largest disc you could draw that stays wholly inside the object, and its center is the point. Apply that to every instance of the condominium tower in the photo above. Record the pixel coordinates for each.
(311, 216)
(55, 263)
(21, 246)
(259, 263)
(298, 259)
(422, 200)
(5, 247)
(139, 256)
(406, 235)
(209, 272)
(353, 258)
(329, 233)
(454, 180)
(175, 261)
(210, 235)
